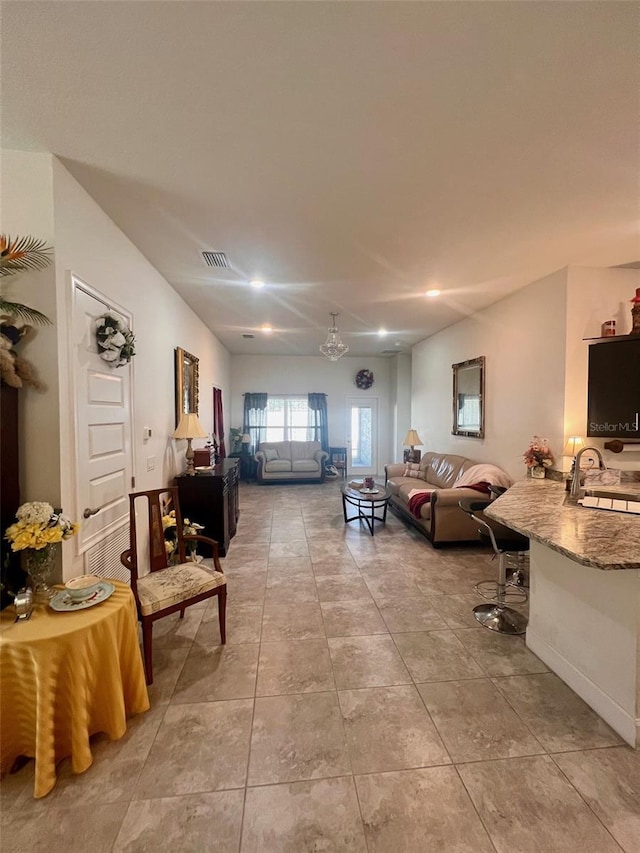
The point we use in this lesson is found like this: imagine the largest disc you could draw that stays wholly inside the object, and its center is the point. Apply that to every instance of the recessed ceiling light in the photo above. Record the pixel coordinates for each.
(256, 283)
(433, 292)
(382, 333)
(266, 329)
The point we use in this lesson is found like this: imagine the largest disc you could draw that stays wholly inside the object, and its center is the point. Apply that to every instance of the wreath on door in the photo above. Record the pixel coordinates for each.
(364, 379)
(116, 341)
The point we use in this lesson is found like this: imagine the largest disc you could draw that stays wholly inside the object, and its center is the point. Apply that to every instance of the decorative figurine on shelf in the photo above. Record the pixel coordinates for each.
(635, 314)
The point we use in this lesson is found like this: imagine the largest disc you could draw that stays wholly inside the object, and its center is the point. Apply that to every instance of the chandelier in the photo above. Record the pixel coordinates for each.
(333, 347)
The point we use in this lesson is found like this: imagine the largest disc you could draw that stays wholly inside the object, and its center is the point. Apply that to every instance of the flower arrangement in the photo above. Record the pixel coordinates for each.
(39, 526)
(538, 455)
(169, 527)
(115, 339)
(39, 530)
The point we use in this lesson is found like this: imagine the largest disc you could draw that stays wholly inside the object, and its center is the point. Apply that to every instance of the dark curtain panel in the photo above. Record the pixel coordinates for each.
(218, 421)
(319, 425)
(255, 419)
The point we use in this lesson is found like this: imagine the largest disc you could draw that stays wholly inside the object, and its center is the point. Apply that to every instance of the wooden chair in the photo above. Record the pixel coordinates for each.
(166, 588)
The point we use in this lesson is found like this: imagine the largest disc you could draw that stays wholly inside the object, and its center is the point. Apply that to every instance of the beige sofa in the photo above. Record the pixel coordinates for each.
(447, 478)
(290, 461)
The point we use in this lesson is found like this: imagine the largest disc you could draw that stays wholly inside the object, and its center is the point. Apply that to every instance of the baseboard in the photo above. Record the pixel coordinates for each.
(620, 720)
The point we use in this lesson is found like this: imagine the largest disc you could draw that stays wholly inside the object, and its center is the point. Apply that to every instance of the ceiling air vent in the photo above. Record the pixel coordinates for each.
(216, 259)
(390, 351)
(248, 336)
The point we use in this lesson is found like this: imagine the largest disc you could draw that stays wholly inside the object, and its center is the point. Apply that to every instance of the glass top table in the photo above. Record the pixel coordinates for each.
(365, 505)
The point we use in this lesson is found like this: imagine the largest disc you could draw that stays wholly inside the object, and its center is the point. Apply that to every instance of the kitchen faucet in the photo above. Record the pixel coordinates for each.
(575, 483)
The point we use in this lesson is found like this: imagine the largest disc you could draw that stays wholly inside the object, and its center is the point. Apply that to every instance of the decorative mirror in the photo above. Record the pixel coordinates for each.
(468, 398)
(186, 383)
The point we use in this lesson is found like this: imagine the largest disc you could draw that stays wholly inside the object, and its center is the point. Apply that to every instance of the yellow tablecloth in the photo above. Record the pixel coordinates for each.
(64, 677)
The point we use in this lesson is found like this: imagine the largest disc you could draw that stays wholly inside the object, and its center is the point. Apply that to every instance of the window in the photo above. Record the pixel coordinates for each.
(289, 419)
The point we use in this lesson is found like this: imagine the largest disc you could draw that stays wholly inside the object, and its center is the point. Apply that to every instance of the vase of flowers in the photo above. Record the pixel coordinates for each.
(538, 457)
(38, 533)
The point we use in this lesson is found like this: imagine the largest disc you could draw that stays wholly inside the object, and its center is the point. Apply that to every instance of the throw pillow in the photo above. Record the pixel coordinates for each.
(270, 454)
(412, 470)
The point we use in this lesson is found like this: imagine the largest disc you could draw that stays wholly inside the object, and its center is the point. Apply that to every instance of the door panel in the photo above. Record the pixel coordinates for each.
(104, 462)
(362, 432)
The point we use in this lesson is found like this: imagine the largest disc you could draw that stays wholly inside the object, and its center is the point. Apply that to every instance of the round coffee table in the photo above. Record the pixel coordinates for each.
(367, 504)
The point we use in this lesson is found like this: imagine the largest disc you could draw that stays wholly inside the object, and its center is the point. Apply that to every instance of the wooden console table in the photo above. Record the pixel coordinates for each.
(211, 498)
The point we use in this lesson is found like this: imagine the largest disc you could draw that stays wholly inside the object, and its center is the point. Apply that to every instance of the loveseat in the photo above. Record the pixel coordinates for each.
(426, 494)
(290, 461)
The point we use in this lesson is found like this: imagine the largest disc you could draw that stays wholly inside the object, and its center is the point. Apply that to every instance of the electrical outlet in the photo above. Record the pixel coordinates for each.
(146, 433)
(151, 463)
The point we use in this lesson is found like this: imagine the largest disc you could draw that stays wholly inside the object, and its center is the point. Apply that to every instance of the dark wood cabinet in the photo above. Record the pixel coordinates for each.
(211, 499)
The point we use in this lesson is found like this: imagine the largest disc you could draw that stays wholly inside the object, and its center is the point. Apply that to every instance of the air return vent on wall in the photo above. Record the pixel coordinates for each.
(216, 259)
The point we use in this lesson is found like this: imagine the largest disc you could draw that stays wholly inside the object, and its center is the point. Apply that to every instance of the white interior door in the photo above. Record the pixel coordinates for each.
(362, 435)
(104, 460)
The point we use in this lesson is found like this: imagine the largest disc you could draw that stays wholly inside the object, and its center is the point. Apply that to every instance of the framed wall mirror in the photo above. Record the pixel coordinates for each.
(186, 383)
(468, 398)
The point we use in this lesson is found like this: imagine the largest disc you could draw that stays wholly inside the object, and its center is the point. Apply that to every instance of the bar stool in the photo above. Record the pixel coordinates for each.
(509, 547)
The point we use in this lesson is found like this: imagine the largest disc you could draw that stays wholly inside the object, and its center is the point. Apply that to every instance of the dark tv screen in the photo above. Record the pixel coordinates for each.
(613, 408)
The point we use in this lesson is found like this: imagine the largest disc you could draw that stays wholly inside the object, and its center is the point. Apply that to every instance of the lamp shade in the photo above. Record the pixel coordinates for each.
(412, 439)
(573, 445)
(189, 427)
(246, 438)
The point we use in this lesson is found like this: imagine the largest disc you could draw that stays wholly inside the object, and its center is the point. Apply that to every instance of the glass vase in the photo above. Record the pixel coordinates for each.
(39, 564)
(538, 472)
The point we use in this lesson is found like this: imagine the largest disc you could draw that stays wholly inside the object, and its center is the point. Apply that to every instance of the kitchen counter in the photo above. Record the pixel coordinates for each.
(592, 537)
(584, 623)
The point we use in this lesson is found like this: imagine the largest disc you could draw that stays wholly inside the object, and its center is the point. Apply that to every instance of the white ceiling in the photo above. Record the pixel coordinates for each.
(351, 154)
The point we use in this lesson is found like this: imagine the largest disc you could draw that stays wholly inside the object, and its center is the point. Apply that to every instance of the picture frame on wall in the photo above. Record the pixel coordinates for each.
(186, 376)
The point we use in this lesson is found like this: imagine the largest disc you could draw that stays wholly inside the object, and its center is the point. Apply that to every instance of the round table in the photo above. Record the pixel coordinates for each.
(366, 504)
(66, 676)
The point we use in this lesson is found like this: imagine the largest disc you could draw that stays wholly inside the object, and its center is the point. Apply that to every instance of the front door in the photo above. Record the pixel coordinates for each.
(104, 460)
(362, 435)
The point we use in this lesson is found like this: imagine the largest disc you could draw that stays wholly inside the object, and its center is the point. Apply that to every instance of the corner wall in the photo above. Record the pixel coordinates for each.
(536, 367)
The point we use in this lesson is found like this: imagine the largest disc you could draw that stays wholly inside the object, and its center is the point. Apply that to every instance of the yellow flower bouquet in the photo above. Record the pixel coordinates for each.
(37, 532)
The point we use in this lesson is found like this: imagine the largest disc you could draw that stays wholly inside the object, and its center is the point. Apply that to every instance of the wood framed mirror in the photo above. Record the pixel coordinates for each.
(468, 398)
(186, 369)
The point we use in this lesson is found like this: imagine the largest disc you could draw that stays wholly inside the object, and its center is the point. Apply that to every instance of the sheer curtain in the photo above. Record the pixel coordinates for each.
(255, 419)
(218, 421)
(319, 424)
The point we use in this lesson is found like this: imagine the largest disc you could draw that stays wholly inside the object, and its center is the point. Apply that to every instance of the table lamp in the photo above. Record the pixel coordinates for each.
(412, 439)
(189, 428)
(573, 445)
(245, 441)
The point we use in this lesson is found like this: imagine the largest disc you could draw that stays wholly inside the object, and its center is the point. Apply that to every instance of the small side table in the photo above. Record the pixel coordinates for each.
(338, 458)
(247, 466)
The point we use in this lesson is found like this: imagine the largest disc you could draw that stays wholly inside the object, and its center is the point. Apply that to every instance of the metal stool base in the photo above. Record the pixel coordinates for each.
(490, 590)
(504, 620)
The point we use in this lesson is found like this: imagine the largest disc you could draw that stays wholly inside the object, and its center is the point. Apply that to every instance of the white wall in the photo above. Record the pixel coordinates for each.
(523, 340)
(90, 245)
(300, 375)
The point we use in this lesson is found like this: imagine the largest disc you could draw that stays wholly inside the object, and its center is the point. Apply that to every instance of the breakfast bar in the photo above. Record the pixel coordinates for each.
(584, 616)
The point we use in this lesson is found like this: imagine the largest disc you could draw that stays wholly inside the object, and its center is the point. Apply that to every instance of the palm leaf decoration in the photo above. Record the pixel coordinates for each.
(22, 253)
(19, 255)
(23, 312)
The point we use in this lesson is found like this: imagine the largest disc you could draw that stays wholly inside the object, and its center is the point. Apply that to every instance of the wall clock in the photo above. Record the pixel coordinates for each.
(364, 379)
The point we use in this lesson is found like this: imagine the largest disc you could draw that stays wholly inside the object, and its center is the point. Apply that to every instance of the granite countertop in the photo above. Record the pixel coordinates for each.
(592, 537)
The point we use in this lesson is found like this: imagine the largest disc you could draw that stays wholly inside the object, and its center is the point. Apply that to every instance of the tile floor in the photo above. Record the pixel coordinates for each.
(356, 707)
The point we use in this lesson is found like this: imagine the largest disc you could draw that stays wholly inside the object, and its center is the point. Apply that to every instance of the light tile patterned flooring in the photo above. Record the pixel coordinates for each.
(356, 707)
